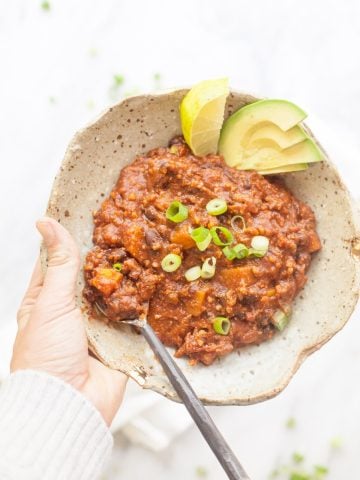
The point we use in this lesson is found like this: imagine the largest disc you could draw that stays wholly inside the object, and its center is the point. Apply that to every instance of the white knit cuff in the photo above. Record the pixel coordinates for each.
(48, 430)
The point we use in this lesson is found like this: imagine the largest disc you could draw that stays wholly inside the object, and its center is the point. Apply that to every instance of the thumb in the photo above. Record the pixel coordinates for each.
(63, 262)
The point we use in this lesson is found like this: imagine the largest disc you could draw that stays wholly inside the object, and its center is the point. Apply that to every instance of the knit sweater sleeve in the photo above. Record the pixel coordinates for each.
(49, 431)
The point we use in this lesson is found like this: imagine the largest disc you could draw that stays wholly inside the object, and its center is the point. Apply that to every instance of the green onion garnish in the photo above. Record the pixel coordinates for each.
(229, 253)
(256, 253)
(45, 5)
(193, 273)
(320, 471)
(226, 234)
(290, 423)
(177, 212)
(280, 320)
(241, 251)
(201, 237)
(171, 262)
(221, 325)
(260, 243)
(260, 246)
(238, 219)
(336, 443)
(201, 472)
(216, 206)
(208, 268)
(117, 266)
(297, 457)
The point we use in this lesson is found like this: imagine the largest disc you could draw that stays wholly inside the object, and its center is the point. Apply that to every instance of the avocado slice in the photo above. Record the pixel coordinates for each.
(265, 135)
(266, 158)
(241, 125)
(271, 134)
(285, 168)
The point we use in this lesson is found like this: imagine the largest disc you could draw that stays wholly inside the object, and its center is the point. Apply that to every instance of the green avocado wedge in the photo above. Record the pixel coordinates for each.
(272, 134)
(267, 157)
(284, 169)
(265, 135)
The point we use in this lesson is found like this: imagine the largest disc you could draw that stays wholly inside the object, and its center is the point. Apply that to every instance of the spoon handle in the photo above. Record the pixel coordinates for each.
(207, 427)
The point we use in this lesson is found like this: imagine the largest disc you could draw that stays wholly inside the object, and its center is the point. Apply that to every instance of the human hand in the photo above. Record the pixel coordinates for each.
(51, 336)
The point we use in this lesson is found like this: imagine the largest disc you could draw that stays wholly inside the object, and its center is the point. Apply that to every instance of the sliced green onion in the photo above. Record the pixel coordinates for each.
(238, 219)
(297, 457)
(260, 246)
(241, 251)
(221, 325)
(216, 206)
(260, 243)
(280, 320)
(208, 268)
(229, 253)
(225, 233)
(201, 237)
(320, 471)
(177, 212)
(257, 253)
(117, 266)
(193, 273)
(171, 262)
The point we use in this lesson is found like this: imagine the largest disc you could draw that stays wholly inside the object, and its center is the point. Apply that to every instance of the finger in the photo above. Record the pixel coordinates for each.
(63, 261)
(31, 294)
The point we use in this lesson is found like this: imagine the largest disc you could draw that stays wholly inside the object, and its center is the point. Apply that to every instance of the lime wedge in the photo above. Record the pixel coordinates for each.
(202, 115)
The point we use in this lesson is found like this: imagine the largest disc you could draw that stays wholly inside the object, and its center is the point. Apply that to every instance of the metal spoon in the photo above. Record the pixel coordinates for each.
(200, 415)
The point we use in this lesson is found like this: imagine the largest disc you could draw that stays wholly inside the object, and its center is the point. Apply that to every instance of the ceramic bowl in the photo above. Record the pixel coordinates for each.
(89, 171)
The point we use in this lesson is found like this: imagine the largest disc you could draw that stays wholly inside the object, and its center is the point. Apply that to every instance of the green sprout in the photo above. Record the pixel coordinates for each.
(45, 5)
(118, 80)
(115, 89)
(201, 472)
(157, 81)
(290, 423)
(297, 457)
(299, 476)
(296, 470)
(336, 443)
(320, 471)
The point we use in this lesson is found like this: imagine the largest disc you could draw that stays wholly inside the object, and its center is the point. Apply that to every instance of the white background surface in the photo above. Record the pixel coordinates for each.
(57, 71)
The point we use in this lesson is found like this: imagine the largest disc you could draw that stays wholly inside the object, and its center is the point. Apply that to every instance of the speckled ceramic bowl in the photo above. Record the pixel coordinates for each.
(90, 169)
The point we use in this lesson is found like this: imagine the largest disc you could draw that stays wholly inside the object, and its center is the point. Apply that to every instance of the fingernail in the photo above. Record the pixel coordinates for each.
(46, 231)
